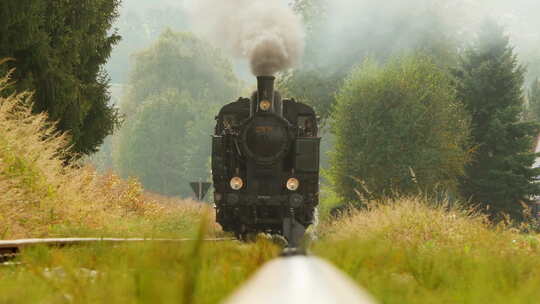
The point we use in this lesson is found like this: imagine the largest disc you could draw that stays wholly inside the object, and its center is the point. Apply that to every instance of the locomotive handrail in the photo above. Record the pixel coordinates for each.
(298, 280)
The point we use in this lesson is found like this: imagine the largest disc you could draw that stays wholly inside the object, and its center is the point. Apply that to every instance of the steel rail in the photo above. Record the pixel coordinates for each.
(298, 280)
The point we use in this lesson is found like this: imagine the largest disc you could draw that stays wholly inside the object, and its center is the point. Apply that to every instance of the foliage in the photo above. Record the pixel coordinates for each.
(58, 50)
(490, 85)
(399, 128)
(42, 197)
(185, 63)
(175, 91)
(314, 87)
(163, 144)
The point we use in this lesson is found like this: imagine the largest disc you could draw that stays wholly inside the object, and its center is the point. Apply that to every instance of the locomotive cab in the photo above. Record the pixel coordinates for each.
(265, 165)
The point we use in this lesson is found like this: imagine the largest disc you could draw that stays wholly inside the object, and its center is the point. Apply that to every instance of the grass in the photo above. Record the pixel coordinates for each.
(405, 251)
(412, 252)
(135, 273)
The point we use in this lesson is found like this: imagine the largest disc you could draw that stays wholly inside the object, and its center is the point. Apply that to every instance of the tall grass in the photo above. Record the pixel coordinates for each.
(40, 196)
(410, 251)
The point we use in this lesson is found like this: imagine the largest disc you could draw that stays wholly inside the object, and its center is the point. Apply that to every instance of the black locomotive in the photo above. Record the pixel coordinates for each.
(265, 165)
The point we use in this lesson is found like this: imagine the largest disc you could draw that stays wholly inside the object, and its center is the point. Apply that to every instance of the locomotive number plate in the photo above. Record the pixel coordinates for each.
(263, 129)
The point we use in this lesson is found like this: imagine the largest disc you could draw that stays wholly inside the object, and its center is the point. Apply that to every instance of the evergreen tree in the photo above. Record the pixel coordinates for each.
(534, 100)
(58, 50)
(490, 82)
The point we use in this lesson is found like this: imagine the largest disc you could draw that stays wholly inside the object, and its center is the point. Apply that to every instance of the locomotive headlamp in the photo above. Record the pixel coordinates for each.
(265, 105)
(237, 183)
(293, 184)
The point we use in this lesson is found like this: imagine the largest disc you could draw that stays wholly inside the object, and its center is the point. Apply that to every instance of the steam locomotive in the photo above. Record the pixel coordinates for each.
(265, 165)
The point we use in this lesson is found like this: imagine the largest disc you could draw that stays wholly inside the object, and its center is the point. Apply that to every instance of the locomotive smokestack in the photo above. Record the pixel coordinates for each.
(265, 94)
(265, 88)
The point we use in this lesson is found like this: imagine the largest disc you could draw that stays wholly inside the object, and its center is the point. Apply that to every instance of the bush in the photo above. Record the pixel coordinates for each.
(399, 128)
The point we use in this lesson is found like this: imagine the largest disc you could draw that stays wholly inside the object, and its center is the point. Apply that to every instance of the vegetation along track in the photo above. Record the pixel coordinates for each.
(10, 249)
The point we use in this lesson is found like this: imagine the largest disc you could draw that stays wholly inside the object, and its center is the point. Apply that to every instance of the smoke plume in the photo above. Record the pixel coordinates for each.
(266, 32)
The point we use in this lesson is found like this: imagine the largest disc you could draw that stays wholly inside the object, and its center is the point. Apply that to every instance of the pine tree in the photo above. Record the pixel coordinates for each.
(490, 82)
(58, 50)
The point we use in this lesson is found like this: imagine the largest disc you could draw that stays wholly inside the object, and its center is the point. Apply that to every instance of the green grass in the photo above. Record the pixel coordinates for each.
(133, 273)
(427, 274)
(328, 201)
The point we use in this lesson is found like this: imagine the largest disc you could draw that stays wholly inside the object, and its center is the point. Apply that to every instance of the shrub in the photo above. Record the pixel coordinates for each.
(398, 128)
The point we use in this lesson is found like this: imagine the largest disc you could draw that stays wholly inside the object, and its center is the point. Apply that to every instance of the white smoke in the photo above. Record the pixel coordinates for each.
(266, 32)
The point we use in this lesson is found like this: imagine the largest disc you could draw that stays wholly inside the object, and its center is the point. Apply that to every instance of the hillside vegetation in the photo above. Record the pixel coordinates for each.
(42, 197)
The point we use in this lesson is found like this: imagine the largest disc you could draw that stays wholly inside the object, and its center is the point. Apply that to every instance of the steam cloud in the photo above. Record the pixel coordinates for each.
(266, 32)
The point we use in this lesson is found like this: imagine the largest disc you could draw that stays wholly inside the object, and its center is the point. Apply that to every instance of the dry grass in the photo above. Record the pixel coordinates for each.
(414, 220)
(41, 197)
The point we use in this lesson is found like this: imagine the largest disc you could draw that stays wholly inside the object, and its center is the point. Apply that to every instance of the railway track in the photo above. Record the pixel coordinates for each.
(11, 248)
(300, 279)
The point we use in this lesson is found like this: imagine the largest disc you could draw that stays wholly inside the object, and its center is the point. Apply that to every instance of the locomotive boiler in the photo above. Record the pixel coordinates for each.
(265, 165)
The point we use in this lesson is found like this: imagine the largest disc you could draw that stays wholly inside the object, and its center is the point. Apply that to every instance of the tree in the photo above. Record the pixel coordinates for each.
(534, 100)
(58, 50)
(184, 62)
(176, 89)
(490, 86)
(399, 129)
(313, 86)
(162, 145)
